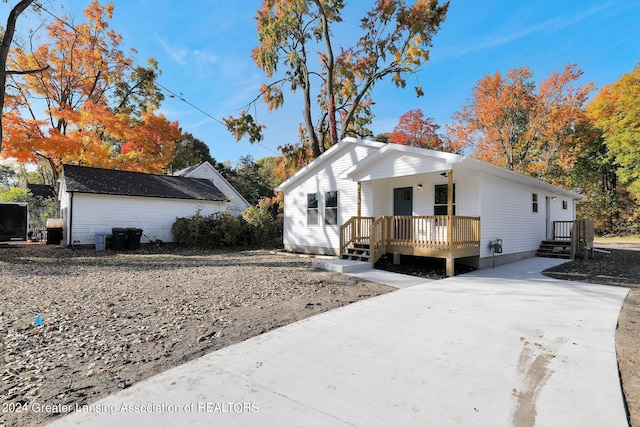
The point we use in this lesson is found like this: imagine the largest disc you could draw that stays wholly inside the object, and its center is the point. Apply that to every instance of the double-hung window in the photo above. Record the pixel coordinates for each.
(441, 204)
(312, 209)
(331, 208)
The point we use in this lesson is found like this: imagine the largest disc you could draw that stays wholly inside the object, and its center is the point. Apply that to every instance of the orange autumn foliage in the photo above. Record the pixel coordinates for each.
(511, 123)
(416, 131)
(69, 112)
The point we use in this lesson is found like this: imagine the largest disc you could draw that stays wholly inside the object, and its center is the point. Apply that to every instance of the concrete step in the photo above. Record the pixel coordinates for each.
(342, 265)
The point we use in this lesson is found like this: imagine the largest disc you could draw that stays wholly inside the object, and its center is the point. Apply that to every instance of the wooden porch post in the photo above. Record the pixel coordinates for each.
(359, 199)
(450, 260)
(450, 270)
(359, 209)
(450, 193)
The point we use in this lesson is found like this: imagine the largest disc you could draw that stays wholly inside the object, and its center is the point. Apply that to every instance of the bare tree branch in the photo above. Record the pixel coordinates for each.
(39, 70)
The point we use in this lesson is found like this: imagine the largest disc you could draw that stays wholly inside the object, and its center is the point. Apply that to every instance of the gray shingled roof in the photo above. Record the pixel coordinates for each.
(42, 190)
(83, 179)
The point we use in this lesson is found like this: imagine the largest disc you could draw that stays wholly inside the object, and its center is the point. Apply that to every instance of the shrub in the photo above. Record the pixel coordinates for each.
(257, 226)
(212, 231)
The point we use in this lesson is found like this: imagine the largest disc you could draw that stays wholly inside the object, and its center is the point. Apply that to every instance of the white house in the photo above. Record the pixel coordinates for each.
(94, 200)
(369, 198)
(206, 171)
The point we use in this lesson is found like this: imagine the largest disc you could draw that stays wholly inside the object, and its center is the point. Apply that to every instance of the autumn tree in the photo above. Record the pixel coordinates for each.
(5, 45)
(616, 112)
(99, 110)
(415, 130)
(606, 200)
(510, 122)
(336, 81)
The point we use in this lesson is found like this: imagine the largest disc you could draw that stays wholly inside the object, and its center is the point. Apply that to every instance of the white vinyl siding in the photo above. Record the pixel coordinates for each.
(100, 213)
(377, 196)
(296, 232)
(401, 165)
(502, 199)
(506, 214)
(207, 171)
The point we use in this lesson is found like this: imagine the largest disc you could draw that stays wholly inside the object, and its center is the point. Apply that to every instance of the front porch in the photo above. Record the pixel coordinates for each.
(439, 236)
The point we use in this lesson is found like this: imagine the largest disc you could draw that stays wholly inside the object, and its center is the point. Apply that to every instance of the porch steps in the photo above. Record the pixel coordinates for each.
(358, 252)
(555, 249)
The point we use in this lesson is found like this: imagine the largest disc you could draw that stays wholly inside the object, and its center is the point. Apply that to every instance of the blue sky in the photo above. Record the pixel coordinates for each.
(203, 48)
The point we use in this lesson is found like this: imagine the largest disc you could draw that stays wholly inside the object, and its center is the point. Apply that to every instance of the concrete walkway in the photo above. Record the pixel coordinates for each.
(497, 347)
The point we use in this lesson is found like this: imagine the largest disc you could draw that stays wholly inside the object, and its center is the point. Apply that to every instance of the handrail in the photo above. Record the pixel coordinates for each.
(355, 230)
(424, 232)
(377, 235)
(562, 230)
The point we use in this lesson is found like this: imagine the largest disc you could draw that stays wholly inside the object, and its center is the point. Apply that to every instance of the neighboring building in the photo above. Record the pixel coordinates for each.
(96, 200)
(206, 171)
(41, 190)
(14, 220)
(407, 197)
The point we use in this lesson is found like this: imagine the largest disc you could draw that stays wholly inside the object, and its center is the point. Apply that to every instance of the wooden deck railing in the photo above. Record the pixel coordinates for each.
(562, 230)
(423, 233)
(354, 231)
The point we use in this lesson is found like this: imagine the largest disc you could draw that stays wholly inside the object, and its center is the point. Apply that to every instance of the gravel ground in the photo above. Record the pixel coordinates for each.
(112, 319)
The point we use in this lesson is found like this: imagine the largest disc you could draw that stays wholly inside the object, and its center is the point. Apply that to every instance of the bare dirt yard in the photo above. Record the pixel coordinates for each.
(77, 325)
(621, 267)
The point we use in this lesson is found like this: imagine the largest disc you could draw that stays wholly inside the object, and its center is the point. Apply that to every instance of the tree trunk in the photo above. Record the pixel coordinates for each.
(4, 51)
(331, 99)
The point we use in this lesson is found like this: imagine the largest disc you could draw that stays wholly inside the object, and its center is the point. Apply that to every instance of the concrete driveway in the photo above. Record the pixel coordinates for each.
(498, 347)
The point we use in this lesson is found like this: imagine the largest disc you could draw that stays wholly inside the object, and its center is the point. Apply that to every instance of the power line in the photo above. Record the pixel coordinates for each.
(171, 93)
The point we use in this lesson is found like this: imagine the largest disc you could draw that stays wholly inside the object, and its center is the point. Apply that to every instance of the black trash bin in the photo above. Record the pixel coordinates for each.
(133, 238)
(54, 236)
(118, 239)
(54, 231)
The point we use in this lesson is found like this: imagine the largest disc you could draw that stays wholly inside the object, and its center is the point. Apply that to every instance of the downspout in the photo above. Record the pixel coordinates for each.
(70, 242)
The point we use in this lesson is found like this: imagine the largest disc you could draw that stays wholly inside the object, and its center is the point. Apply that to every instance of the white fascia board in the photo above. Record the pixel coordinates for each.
(325, 157)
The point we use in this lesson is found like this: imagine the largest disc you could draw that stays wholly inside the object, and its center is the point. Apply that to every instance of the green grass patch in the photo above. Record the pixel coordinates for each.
(635, 238)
